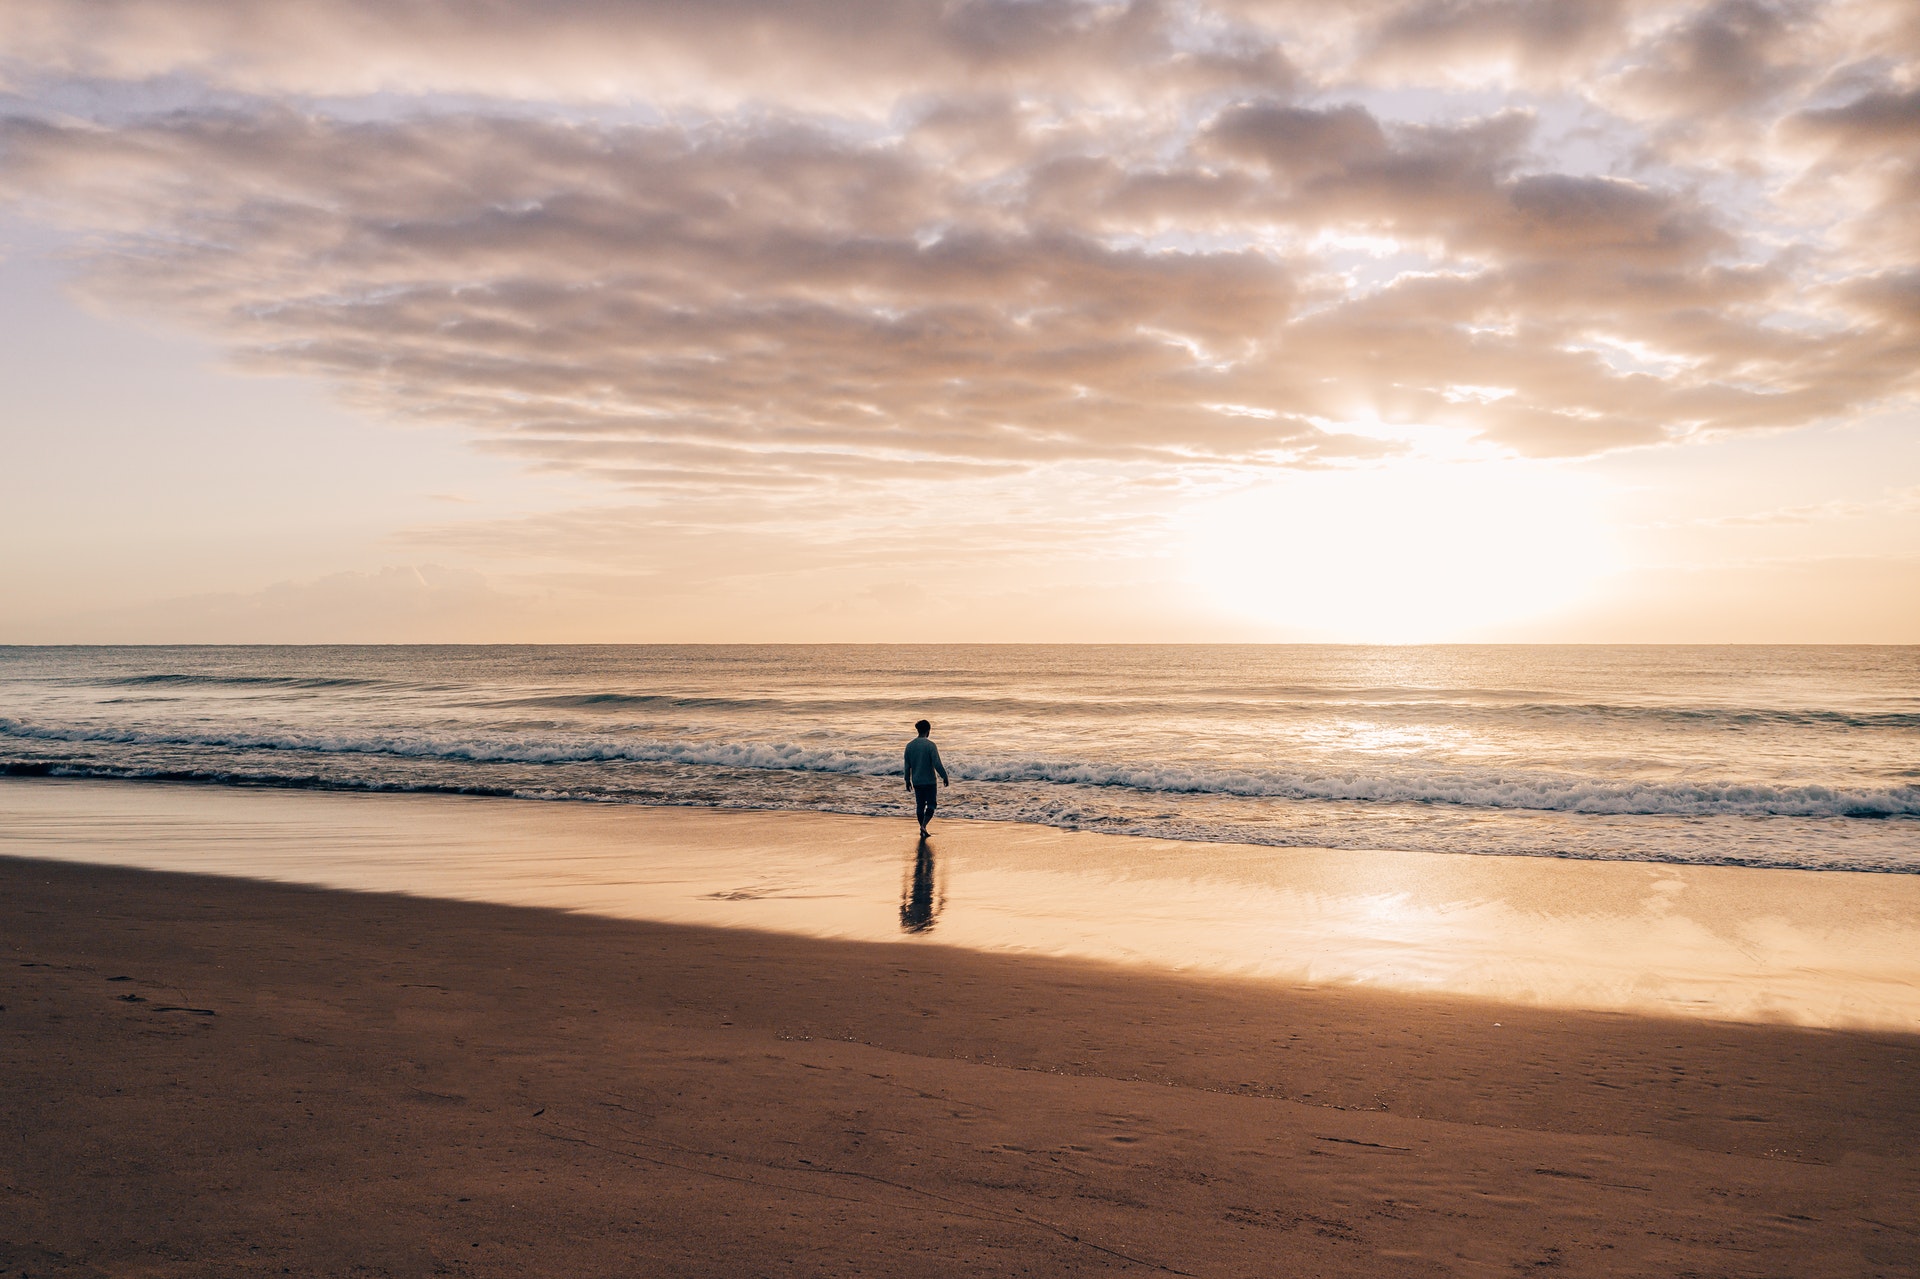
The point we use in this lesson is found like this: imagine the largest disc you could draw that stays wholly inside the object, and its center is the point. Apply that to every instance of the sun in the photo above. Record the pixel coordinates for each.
(1407, 553)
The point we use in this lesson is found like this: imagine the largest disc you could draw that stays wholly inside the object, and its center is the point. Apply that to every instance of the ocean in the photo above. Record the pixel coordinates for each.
(1804, 757)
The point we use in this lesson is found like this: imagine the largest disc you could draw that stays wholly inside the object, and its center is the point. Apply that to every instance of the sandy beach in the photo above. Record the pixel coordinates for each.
(210, 1075)
(1830, 949)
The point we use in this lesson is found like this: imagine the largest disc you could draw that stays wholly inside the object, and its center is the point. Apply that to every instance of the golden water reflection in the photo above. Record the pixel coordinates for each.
(1818, 948)
(919, 907)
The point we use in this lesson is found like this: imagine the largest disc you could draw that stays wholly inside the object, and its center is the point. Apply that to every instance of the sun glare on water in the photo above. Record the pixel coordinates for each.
(1406, 554)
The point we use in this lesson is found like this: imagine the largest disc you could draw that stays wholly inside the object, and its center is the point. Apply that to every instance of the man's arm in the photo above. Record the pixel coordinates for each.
(906, 769)
(940, 768)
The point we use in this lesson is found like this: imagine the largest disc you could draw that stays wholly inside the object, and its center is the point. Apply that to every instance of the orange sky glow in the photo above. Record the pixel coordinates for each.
(1396, 321)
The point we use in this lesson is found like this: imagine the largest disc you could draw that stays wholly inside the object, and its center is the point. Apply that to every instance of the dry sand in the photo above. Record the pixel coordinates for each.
(208, 1076)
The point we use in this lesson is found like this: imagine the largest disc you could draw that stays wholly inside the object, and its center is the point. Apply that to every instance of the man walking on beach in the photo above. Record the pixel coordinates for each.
(923, 764)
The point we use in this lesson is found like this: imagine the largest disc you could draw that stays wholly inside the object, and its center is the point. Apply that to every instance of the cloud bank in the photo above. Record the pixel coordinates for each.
(762, 248)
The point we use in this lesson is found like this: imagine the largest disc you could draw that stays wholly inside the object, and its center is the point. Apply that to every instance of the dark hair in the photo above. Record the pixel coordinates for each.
(923, 727)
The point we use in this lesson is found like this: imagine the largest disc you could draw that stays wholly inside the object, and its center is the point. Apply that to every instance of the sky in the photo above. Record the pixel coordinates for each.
(959, 320)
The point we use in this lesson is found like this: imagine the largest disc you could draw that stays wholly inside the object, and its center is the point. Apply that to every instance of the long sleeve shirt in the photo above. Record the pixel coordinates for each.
(923, 761)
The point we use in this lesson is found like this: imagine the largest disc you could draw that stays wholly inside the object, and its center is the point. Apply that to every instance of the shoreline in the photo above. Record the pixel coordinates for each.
(217, 1075)
(49, 771)
(1824, 948)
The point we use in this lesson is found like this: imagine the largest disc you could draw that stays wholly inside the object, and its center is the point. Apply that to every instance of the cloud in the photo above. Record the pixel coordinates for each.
(1530, 40)
(1723, 57)
(1891, 298)
(1868, 150)
(845, 54)
(993, 236)
(1869, 122)
(748, 303)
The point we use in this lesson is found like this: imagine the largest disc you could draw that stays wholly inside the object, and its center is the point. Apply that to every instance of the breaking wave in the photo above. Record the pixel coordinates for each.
(1451, 786)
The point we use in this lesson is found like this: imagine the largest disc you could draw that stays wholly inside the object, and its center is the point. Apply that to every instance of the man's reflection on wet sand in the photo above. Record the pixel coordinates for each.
(918, 907)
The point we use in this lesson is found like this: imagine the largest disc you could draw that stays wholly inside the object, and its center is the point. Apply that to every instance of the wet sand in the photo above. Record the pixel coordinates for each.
(1830, 949)
(211, 1076)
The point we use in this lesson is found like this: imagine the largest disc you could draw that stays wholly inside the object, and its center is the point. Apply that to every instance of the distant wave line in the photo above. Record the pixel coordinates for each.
(1437, 705)
(1421, 711)
(240, 681)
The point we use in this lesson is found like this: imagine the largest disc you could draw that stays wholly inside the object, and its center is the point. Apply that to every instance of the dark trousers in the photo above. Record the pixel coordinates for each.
(925, 800)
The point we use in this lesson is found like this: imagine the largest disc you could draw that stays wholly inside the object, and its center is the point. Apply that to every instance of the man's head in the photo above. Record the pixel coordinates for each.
(923, 728)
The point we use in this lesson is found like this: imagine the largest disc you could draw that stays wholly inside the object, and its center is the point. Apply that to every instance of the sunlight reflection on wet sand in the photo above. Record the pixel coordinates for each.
(1818, 948)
